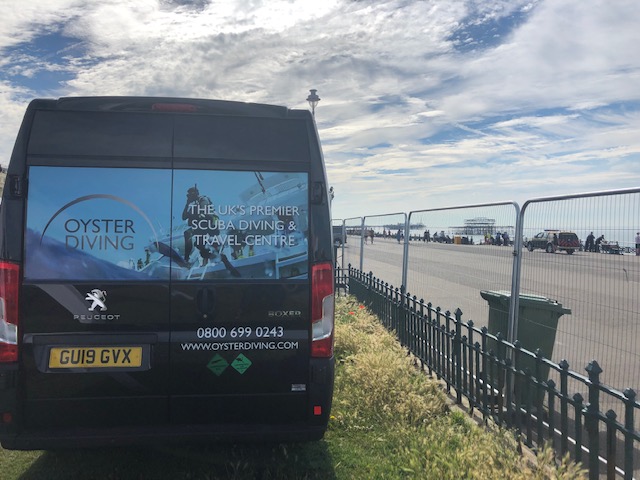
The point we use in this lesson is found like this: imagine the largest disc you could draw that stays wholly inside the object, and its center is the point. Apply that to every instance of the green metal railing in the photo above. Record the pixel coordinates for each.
(497, 379)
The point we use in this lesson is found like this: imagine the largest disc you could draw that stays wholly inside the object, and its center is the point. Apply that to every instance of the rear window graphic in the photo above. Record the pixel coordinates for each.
(96, 223)
(123, 224)
(240, 224)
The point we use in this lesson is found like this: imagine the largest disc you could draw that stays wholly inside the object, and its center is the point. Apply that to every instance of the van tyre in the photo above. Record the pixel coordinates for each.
(550, 248)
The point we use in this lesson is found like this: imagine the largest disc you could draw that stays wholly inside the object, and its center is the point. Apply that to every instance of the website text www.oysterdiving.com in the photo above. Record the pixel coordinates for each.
(226, 346)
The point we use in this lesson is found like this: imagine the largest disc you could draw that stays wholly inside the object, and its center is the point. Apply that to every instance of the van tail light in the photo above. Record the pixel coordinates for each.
(9, 282)
(322, 310)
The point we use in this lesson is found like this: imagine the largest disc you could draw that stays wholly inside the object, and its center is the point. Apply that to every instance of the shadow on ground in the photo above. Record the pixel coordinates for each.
(213, 461)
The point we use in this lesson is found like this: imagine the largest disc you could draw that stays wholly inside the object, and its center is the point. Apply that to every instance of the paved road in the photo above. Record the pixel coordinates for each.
(602, 291)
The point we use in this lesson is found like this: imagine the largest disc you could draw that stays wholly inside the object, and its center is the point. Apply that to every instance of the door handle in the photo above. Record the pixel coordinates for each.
(206, 302)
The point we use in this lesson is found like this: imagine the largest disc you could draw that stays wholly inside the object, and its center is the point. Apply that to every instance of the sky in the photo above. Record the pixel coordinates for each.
(424, 103)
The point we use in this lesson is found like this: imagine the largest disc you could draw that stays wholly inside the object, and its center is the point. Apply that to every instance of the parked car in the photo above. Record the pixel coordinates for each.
(554, 240)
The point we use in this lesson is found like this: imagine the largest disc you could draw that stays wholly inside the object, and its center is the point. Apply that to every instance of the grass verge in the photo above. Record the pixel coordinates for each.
(388, 421)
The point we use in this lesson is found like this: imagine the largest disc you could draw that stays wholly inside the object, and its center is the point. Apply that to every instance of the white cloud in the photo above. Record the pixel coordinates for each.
(21, 21)
(569, 54)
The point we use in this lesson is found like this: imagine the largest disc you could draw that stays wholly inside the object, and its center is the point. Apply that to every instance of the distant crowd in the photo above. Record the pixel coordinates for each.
(592, 243)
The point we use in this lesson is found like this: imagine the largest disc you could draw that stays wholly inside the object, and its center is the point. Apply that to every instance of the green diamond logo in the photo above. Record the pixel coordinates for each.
(217, 365)
(241, 363)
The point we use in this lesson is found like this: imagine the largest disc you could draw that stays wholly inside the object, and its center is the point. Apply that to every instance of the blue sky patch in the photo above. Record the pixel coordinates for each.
(476, 33)
(42, 63)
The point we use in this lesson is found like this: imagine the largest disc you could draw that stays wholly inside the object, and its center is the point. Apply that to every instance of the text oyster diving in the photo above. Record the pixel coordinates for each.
(118, 234)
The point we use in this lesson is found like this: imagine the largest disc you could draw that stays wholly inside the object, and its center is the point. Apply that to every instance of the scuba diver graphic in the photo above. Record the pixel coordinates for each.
(199, 213)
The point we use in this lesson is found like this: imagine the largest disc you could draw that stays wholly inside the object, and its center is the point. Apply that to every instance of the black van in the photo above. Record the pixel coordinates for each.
(165, 274)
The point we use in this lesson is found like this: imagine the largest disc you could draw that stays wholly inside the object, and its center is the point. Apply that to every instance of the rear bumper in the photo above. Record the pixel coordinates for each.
(87, 438)
(250, 425)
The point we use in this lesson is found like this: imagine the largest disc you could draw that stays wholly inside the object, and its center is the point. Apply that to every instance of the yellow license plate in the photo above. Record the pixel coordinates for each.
(95, 357)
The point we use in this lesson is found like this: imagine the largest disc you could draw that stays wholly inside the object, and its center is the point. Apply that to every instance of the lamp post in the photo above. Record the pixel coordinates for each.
(313, 100)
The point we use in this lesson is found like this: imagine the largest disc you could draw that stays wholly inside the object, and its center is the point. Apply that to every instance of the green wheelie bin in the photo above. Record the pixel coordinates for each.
(537, 325)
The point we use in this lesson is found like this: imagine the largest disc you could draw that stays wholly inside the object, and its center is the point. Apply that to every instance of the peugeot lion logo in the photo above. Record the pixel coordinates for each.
(98, 298)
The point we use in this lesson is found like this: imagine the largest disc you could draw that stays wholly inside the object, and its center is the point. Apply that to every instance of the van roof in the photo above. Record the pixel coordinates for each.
(169, 105)
(175, 127)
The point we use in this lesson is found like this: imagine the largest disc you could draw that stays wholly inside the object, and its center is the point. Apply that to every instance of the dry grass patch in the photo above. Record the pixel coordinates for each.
(376, 379)
(403, 415)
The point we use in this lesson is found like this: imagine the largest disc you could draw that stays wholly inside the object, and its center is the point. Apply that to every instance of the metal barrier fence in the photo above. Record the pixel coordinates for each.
(561, 274)
(381, 229)
(471, 257)
(508, 383)
(451, 269)
(601, 288)
(352, 250)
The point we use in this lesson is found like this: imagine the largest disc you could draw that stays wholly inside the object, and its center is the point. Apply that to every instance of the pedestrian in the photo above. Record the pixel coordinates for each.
(588, 247)
(505, 237)
(371, 235)
(598, 242)
(398, 235)
(637, 244)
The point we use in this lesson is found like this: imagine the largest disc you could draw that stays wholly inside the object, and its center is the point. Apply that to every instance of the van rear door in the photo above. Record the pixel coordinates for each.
(95, 297)
(240, 339)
